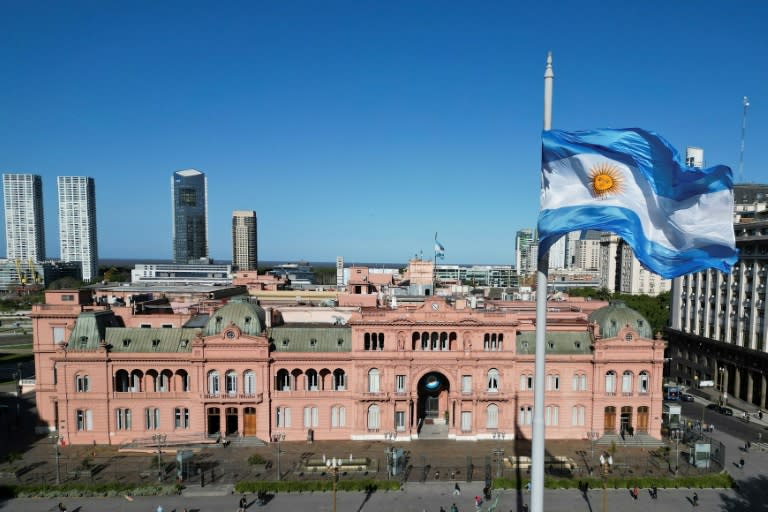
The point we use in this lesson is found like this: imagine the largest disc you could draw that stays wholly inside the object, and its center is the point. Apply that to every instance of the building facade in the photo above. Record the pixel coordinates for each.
(525, 241)
(718, 325)
(622, 272)
(77, 223)
(190, 216)
(24, 222)
(245, 254)
(113, 374)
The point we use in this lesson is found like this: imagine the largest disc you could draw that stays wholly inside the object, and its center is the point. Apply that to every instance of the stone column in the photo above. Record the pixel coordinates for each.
(750, 384)
(762, 390)
(736, 382)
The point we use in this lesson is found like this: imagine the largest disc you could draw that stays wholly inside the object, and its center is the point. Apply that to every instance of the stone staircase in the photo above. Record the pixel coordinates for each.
(637, 440)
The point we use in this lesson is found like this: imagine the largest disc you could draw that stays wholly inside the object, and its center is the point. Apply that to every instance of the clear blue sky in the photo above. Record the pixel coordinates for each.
(358, 128)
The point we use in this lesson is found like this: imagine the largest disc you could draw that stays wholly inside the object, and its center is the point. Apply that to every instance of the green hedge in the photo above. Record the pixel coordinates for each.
(316, 485)
(77, 490)
(713, 480)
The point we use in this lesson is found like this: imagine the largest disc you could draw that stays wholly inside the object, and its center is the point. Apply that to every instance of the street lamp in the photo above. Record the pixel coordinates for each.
(593, 436)
(333, 466)
(276, 438)
(54, 436)
(677, 436)
(159, 440)
(390, 436)
(723, 372)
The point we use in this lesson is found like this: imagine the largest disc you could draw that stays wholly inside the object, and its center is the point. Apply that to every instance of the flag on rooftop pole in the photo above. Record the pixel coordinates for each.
(439, 249)
(631, 182)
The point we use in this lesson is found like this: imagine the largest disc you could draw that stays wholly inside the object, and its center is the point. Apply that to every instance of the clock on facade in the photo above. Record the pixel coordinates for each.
(230, 335)
(435, 306)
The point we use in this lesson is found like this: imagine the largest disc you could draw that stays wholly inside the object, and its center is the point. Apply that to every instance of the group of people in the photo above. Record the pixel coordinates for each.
(635, 492)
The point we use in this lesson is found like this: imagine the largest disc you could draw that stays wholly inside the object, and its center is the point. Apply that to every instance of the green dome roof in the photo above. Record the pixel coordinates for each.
(615, 316)
(248, 317)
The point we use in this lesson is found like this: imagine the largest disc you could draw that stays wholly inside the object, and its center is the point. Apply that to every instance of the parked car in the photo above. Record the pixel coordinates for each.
(713, 407)
(685, 397)
(726, 411)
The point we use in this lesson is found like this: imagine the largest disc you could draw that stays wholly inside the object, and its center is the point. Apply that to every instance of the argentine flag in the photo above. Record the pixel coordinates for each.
(631, 182)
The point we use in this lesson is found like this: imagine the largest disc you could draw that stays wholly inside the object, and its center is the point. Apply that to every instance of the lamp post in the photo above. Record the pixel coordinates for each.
(677, 435)
(593, 436)
(54, 436)
(159, 440)
(333, 466)
(390, 436)
(499, 452)
(276, 438)
(723, 372)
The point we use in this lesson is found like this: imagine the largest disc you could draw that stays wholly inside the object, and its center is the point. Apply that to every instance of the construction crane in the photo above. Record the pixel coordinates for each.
(33, 273)
(20, 273)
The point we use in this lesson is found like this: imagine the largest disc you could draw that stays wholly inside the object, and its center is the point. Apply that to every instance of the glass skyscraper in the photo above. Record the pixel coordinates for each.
(190, 216)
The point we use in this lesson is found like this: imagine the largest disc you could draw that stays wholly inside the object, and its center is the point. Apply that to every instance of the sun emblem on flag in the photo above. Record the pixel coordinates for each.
(605, 179)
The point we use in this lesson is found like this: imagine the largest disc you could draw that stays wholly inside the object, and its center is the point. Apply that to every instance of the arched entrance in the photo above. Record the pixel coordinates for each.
(626, 419)
(214, 420)
(249, 421)
(609, 423)
(642, 419)
(432, 406)
(231, 420)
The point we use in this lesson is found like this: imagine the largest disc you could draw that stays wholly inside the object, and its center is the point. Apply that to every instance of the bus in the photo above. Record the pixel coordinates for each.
(672, 392)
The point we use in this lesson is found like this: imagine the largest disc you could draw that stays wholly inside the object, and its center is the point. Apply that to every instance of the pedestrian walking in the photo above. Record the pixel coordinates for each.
(442, 509)
(454, 508)
(242, 504)
(525, 507)
(456, 489)
(62, 508)
(695, 500)
(159, 508)
(635, 492)
(478, 501)
(741, 463)
(654, 492)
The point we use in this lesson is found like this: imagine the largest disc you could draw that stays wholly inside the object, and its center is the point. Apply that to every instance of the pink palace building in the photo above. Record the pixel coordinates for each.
(436, 368)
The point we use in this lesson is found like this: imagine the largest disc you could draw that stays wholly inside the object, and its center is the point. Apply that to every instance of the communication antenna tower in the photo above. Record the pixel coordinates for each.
(743, 132)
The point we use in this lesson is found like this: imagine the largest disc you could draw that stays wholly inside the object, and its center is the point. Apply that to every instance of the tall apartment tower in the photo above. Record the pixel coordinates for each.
(244, 242)
(24, 226)
(190, 216)
(524, 242)
(77, 223)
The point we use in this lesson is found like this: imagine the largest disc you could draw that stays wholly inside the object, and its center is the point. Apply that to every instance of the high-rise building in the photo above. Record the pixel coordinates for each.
(77, 223)
(190, 216)
(524, 241)
(622, 272)
(718, 329)
(244, 242)
(24, 226)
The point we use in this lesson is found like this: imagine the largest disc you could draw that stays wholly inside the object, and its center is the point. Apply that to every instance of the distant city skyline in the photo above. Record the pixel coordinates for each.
(359, 129)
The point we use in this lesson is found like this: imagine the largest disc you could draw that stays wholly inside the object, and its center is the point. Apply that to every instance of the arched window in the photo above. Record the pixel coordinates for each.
(551, 415)
(136, 378)
(626, 382)
(610, 382)
(553, 382)
(492, 416)
(367, 341)
(231, 382)
(164, 381)
(339, 380)
(642, 382)
(338, 416)
(373, 380)
(373, 417)
(312, 380)
(213, 382)
(283, 380)
(122, 381)
(310, 416)
(82, 383)
(249, 382)
(181, 418)
(577, 417)
(493, 380)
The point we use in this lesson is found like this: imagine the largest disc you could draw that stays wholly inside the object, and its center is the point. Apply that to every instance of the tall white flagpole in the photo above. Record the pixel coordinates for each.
(537, 448)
